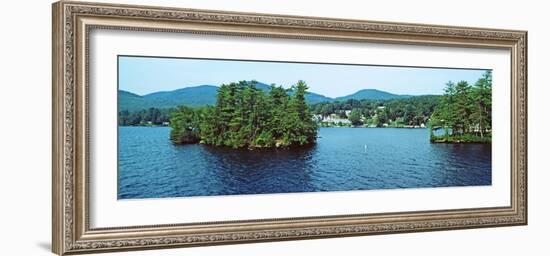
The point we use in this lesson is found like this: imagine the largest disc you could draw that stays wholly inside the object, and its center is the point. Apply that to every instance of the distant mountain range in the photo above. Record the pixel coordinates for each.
(203, 95)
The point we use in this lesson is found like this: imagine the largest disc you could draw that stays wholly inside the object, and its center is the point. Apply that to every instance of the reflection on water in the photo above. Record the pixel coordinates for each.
(150, 166)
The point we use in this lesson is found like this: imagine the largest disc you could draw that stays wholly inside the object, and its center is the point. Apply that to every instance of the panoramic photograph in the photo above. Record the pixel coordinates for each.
(214, 127)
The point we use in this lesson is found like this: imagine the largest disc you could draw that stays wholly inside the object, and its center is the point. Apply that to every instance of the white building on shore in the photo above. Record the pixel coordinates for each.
(333, 119)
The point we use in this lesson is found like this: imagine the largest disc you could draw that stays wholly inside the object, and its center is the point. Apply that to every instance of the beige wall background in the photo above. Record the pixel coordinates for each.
(25, 116)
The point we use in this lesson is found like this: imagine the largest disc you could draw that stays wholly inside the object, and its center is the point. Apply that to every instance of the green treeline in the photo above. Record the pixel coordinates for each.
(464, 112)
(246, 117)
(412, 111)
(151, 116)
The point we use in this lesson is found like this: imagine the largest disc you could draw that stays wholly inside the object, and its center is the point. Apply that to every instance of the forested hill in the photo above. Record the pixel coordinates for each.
(202, 95)
(190, 96)
(371, 94)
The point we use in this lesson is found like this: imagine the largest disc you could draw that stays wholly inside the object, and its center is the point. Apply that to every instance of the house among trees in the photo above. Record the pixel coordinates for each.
(332, 120)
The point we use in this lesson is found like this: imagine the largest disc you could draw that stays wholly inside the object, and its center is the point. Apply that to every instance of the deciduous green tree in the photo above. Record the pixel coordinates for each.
(355, 117)
(185, 126)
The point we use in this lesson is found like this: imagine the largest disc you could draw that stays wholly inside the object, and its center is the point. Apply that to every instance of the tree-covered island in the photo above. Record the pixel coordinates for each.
(247, 117)
(464, 112)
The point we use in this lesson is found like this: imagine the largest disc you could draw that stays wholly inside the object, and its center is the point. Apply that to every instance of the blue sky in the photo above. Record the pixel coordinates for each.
(143, 75)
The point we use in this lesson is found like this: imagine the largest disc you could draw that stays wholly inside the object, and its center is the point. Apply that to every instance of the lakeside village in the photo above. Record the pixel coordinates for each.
(343, 120)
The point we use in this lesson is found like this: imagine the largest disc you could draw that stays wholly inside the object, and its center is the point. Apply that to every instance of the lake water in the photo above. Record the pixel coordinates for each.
(150, 166)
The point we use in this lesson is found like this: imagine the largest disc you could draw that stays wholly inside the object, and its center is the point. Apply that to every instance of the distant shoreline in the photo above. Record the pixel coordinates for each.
(358, 127)
(433, 139)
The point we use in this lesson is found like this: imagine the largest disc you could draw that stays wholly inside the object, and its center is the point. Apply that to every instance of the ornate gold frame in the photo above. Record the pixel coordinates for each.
(72, 22)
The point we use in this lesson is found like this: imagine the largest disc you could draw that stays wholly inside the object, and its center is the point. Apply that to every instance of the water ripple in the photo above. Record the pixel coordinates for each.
(343, 159)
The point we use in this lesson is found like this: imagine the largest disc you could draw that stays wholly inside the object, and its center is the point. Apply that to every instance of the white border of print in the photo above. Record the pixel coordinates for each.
(107, 211)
